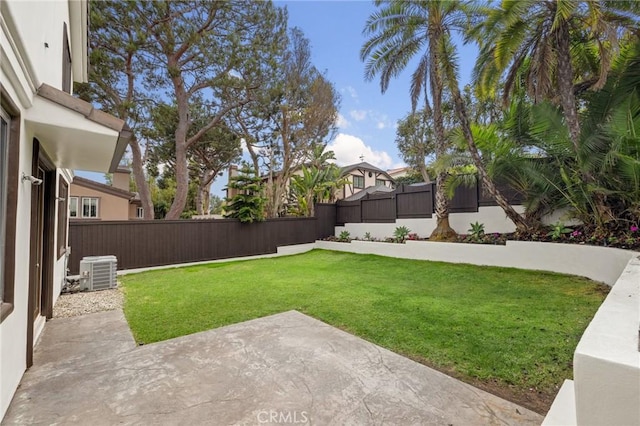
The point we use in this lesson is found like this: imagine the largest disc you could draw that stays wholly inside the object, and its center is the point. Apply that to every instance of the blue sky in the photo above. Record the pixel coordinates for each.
(367, 117)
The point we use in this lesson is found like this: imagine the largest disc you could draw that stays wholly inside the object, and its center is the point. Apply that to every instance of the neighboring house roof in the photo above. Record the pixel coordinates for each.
(370, 190)
(399, 172)
(107, 189)
(366, 166)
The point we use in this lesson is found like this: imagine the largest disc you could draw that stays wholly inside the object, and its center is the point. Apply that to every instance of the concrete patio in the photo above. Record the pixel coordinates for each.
(285, 368)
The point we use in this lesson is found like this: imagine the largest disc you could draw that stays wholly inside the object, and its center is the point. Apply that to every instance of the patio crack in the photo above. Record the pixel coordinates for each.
(305, 369)
(364, 401)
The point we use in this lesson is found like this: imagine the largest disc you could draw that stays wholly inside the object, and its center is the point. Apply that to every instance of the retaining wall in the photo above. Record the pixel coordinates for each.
(597, 263)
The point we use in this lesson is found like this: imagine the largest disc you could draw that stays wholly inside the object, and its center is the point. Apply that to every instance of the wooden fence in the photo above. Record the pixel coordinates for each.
(415, 201)
(138, 243)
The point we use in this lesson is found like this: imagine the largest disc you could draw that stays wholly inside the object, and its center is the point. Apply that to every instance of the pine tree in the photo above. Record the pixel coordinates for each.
(248, 205)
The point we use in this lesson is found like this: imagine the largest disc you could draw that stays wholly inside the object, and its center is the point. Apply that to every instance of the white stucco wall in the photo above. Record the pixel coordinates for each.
(13, 330)
(25, 63)
(36, 23)
(597, 263)
(492, 217)
(606, 363)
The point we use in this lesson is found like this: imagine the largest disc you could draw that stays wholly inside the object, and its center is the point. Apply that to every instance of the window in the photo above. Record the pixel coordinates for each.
(66, 61)
(63, 192)
(140, 213)
(9, 154)
(73, 207)
(358, 181)
(4, 161)
(380, 182)
(89, 207)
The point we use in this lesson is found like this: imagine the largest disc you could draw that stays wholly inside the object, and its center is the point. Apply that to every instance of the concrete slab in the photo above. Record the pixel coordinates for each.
(286, 368)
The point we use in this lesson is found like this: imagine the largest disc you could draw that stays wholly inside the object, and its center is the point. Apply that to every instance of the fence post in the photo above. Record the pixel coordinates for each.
(395, 201)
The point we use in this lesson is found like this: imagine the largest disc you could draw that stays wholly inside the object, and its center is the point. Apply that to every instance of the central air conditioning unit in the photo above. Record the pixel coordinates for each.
(98, 273)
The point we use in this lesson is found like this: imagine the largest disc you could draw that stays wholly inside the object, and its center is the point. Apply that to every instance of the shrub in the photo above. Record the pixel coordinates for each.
(477, 230)
(400, 234)
(558, 230)
(344, 237)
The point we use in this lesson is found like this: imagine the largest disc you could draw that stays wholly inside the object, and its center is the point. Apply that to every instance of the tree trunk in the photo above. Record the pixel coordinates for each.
(569, 107)
(443, 230)
(565, 84)
(422, 168)
(182, 129)
(141, 181)
(200, 201)
(203, 200)
(182, 178)
(311, 207)
(203, 196)
(487, 183)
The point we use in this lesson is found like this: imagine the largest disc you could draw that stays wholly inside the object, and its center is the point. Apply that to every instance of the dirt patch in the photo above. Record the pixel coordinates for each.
(532, 399)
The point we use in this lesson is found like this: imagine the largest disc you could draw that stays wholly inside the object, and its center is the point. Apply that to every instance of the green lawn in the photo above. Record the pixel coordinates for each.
(509, 328)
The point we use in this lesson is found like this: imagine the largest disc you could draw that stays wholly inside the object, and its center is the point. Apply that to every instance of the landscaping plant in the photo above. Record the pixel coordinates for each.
(400, 234)
(344, 237)
(476, 231)
(558, 230)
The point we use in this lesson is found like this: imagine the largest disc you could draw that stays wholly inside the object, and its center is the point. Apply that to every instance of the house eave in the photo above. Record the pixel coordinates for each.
(101, 187)
(74, 134)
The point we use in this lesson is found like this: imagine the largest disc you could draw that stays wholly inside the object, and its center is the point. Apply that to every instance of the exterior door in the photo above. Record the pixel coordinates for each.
(37, 234)
(41, 258)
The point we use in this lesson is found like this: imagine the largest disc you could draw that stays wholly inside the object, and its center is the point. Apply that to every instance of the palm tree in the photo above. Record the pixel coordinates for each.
(403, 29)
(319, 180)
(450, 69)
(609, 151)
(555, 48)
(315, 185)
(398, 32)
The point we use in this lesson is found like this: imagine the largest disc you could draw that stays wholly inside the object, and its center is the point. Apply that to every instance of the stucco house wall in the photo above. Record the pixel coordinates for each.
(115, 202)
(34, 23)
(67, 133)
(371, 175)
(110, 207)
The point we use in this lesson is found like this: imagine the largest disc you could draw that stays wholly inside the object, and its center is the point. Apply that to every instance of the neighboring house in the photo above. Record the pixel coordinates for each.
(370, 190)
(44, 134)
(90, 200)
(361, 176)
(399, 172)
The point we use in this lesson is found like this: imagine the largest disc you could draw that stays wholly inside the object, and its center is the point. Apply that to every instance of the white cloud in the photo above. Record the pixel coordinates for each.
(351, 91)
(381, 125)
(342, 122)
(243, 145)
(349, 148)
(358, 114)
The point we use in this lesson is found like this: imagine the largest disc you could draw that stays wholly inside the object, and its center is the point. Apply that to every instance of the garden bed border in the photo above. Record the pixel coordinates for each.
(601, 264)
